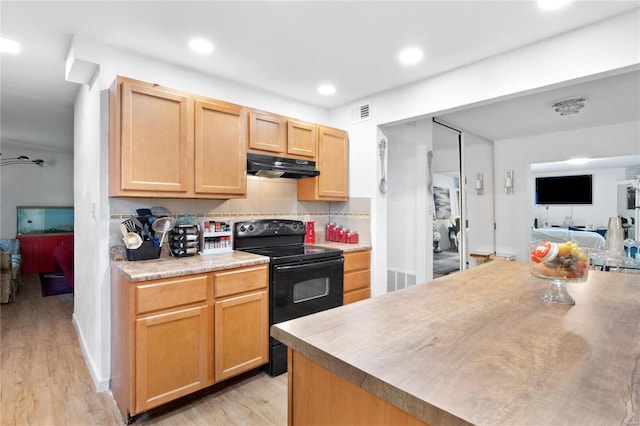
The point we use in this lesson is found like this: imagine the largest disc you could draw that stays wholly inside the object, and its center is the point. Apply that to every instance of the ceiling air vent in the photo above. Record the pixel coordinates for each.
(361, 112)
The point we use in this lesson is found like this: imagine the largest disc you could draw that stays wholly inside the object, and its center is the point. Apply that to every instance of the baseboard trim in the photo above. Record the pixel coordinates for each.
(101, 384)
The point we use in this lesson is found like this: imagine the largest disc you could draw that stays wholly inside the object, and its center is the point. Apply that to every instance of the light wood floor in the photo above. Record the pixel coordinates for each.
(45, 381)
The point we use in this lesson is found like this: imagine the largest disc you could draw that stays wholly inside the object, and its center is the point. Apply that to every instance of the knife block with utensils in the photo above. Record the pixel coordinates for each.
(184, 240)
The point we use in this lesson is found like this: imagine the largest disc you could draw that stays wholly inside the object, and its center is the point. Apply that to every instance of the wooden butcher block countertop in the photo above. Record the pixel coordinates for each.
(479, 346)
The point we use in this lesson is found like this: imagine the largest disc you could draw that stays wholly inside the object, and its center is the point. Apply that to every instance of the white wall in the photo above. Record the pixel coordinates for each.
(478, 158)
(401, 215)
(30, 185)
(91, 314)
(605, 199)
(514, 212)
(128, 65)
(584, 53)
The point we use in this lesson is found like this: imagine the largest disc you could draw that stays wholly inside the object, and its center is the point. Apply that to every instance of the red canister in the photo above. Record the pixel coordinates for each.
(310, 235)
(328, 231)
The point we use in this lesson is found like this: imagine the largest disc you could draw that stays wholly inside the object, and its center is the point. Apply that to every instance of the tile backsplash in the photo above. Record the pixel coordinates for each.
(266, 198)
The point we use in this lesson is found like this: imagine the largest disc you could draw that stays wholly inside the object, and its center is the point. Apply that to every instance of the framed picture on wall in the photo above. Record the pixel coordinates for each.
(442, 202)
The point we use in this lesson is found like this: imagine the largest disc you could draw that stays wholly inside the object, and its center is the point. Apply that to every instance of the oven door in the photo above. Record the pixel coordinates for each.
(305, 288)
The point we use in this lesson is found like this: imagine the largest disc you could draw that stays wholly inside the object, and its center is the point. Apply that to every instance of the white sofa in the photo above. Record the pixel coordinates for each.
(561, 235)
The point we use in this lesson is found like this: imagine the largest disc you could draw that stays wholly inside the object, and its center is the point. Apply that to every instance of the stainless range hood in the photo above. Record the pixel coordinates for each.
(274, 167)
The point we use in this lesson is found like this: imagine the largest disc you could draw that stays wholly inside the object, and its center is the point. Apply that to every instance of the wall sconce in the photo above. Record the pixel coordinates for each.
(508, 182)
(479, 184)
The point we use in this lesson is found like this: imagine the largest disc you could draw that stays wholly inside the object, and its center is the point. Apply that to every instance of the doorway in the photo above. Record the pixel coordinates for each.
(430, 195)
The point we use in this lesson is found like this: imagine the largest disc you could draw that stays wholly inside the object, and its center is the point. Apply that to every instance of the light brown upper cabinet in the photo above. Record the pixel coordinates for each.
(266, 133)
(333, 163)
(151, 140)
(302, 139)
(165, 143)
(220, 149)
(272, 134)
(151, 144)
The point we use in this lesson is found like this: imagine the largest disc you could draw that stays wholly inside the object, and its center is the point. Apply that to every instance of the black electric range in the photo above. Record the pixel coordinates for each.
(302, 279)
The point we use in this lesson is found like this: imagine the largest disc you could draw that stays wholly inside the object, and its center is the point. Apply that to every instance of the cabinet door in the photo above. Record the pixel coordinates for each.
(156, 141)
(266, 132)
(29, 255)
(171, 355)
(64, 240)
(220, 149)
(37, 252)
(302, 139)
(242, 334)
(357, 276)
(333, 163)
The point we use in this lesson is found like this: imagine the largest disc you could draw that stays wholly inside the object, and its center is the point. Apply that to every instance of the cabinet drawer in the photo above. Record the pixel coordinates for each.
(354, 296)
(358, 279)
(356, 260)
(242, 280)
(163, 294)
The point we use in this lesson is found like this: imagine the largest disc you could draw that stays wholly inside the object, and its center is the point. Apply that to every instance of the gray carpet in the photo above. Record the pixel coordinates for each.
(445, 263)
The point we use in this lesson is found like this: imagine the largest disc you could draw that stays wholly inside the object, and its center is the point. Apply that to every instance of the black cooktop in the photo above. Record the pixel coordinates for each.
(280, 239)
(296, 253)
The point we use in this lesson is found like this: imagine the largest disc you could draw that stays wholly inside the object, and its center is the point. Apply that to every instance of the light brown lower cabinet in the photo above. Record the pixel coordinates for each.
(318, 396)
(173, 336)
(174, 344)
(357, 276)
(241, 321)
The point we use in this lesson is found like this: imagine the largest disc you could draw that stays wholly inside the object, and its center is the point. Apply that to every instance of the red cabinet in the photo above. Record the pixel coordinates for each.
(36, 251)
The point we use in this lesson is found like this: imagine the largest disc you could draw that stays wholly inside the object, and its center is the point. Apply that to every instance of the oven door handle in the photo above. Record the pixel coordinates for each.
(308, 265)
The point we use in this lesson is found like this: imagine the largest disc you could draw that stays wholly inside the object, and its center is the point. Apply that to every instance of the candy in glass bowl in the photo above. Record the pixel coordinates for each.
(559, 263)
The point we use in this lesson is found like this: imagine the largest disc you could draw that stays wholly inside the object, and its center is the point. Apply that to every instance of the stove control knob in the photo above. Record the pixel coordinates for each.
(242, 228)
(251, 228)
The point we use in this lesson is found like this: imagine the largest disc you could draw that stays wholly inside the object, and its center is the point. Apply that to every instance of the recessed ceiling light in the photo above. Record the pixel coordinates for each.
(410, 56)
(552, 4)
(9, 46)
(326, 89)
(201, 45)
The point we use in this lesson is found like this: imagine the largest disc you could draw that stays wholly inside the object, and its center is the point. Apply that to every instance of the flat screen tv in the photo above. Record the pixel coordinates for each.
(564, 190)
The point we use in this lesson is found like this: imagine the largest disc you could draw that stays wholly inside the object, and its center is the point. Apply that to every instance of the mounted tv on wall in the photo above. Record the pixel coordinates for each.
(577, 189)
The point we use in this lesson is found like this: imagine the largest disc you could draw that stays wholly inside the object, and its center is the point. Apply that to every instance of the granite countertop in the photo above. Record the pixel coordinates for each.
(166, 267)
(479, 346)
(342, 246)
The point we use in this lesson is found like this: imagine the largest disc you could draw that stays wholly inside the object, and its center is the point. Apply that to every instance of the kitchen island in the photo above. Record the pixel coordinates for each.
(475, 347)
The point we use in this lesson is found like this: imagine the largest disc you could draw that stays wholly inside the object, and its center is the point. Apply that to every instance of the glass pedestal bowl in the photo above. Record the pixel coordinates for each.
(559, 263)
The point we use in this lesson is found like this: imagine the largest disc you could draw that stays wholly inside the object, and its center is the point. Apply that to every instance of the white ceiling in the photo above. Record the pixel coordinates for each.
(609, 100)
(288, 48)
